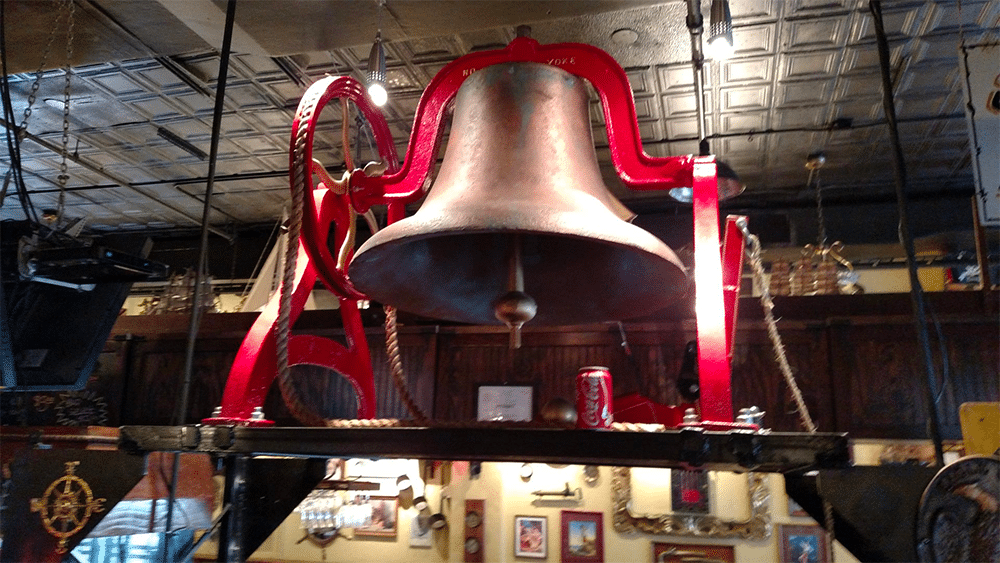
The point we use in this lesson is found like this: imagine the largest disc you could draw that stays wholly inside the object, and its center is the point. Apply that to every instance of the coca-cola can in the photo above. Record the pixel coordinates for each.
(593, 398)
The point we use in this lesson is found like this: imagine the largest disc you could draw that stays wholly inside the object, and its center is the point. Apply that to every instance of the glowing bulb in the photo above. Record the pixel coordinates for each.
(720, 47)
(377, 94)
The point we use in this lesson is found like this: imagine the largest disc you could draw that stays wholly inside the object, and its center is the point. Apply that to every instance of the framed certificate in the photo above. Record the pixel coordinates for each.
(504, 402)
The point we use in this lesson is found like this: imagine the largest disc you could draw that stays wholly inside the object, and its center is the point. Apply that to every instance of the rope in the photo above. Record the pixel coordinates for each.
(300, 167)
(396, 365)
(779, 348)
(772, 329)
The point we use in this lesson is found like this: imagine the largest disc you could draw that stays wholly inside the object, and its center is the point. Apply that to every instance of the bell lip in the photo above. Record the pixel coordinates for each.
(675, 284)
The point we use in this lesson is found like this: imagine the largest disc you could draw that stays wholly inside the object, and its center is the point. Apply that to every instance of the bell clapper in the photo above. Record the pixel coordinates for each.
(515, 307)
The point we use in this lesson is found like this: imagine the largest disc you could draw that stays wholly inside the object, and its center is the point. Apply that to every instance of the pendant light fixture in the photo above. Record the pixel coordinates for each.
(376, 64)
(720, 31)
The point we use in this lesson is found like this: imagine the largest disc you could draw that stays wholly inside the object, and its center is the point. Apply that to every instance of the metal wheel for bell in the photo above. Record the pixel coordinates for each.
(519, 225)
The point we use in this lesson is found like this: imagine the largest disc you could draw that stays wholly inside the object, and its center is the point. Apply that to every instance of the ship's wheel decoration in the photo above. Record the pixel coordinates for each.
(66, 506)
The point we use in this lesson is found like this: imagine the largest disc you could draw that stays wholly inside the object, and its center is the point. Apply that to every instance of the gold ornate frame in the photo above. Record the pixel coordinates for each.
(757, 527)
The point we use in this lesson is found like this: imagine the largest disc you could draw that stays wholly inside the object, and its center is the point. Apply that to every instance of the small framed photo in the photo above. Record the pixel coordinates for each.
(421, 534)
(582, 537)
(385, 518)
(504, 402)
(802, 544)
(685, 552)
(531, 536)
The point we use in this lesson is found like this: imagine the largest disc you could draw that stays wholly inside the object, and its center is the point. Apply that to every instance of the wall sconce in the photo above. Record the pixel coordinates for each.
(376, 65)
(420, 503)
(720, 31)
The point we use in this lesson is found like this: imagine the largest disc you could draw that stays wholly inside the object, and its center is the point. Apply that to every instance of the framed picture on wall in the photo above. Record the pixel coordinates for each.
(582, 537)
(684, 553)
(802, 544)
(531, 536)
(385, 518)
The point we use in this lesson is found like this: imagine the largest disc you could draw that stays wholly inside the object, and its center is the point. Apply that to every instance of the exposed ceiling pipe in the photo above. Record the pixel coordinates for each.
(114, 178)
(696, 26)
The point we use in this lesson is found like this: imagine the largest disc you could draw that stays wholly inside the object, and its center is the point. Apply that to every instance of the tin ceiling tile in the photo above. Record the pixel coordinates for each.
(940, 50)
(402, 78)
(864, 59)
(681, 104)
(160, 78)
(751, 97)
(810, 65)
(756, 40)
(860, 86)
(642, 80)
(195, 103)
(814, 34)
(649, 131)
(756, 121)
(742, 145)
(748, 71)
(682, 128)
(256, 64)
(427, 49)
(246, 96)
(118, 84)
(676, 77)
(755, 11)
(645, 108)
(902, 22)
(809, 92)
(155, 108)
(962, 16)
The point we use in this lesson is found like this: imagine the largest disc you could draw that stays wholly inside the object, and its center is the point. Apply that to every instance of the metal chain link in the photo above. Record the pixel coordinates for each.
(63, 176)
(38, 74)
(820, 220)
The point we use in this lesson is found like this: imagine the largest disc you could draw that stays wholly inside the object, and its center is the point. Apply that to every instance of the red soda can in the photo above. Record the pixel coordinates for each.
(593, 398)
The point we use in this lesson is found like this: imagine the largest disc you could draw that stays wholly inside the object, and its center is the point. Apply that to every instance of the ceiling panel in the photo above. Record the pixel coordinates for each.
(798, 66)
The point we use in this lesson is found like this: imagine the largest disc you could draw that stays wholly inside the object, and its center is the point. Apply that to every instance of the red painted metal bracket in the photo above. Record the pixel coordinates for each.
(637, 169)
(255, 366)
(710, 313)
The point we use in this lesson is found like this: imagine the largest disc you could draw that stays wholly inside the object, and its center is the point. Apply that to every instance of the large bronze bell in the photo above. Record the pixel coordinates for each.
(519, 216)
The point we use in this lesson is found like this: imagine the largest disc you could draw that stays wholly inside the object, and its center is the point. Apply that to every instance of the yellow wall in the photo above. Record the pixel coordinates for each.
(506, 496)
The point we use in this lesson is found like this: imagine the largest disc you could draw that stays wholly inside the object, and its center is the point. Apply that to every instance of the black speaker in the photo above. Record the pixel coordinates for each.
(53, 327)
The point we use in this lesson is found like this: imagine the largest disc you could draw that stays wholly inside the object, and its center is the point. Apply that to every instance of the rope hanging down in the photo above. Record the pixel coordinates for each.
(772, 329)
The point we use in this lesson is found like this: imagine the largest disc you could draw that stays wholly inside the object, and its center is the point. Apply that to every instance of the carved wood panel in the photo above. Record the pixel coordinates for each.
(881, 375)
(757, 379)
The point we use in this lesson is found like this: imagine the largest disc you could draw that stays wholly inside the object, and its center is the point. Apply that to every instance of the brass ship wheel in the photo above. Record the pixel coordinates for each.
(66, 506)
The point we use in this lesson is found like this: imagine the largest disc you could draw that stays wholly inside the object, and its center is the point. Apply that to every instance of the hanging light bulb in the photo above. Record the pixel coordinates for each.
(376, 65)
(720, 31)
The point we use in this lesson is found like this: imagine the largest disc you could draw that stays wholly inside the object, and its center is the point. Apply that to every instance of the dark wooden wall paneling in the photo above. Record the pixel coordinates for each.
(859, 374)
